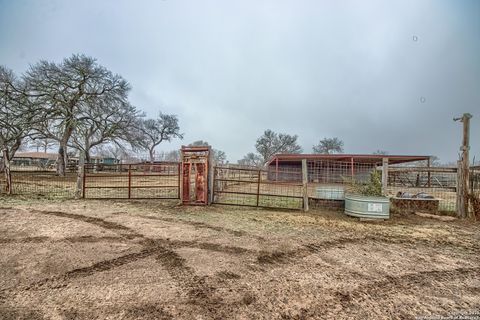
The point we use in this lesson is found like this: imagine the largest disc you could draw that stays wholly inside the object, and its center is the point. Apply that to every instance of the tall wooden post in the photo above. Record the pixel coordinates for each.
(80, 179)
(384, 175)
(305, 184)
(463, 168)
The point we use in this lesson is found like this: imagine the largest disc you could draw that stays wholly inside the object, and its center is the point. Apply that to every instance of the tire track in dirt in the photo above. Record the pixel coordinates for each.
(202, 225)
(79, 239)
(105, 265)
(378, 290)
(278, 257)
(24, 240)
(409, 282)
(130, 233)
(200, 290)
(391, 283)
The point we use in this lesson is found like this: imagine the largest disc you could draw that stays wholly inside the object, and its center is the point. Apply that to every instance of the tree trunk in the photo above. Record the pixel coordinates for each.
(6, 170)
(62, 160)
(87, 157)
(152, 155)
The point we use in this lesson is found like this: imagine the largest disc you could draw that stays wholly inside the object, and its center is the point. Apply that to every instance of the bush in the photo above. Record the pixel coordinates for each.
(373, 188)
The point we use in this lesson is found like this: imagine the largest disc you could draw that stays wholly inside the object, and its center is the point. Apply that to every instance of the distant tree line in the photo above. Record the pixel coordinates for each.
(271, 143)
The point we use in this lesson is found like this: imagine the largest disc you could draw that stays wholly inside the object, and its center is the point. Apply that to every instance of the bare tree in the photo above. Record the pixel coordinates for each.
(42, 144)
(172, 155)
(152, 132)
(117, 151)
(271, 143)
(105, 122)
(68, 89)
(251, 159)
(16, 117)
(219, 156)
(328, 146)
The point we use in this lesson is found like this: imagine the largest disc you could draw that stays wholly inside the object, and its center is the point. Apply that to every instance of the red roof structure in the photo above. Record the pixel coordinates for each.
(358, 158)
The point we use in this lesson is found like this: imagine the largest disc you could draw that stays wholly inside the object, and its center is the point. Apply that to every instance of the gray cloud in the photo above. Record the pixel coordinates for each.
(314, 68)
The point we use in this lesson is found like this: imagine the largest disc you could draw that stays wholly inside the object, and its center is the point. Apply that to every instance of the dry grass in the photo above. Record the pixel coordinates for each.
(157, 260)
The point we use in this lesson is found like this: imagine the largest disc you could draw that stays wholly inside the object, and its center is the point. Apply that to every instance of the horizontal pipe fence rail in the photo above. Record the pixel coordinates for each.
(253, 187)
(132, 181)
(437, 182)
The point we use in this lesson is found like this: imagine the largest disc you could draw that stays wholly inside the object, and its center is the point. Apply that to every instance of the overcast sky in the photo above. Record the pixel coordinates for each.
(386, 75)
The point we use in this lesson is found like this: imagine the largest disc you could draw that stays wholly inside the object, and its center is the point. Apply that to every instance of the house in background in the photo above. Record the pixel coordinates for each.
(34, 159)
(47, 160)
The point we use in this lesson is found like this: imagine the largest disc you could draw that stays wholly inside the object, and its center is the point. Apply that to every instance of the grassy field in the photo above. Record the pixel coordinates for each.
(97, 259)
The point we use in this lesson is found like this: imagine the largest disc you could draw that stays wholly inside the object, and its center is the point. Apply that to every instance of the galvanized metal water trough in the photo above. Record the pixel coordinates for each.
(367, 207)
(330, 193)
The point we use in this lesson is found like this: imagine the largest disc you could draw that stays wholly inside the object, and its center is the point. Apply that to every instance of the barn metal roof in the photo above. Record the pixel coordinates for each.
(362, 158)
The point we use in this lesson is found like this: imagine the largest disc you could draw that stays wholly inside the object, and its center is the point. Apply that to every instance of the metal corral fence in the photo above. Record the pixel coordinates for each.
(242, 186)
(475, 190)
(41, 183)
(437, 182)
(132, 181)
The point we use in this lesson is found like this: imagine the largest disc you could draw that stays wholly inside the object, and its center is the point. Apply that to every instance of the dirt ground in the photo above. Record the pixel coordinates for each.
(156, 260)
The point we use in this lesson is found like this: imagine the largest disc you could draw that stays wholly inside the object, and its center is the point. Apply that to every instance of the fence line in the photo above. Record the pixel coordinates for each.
(240, 185)
(253, 187)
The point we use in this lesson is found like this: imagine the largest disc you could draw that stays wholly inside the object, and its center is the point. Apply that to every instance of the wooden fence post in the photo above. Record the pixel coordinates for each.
(384, 176)
(258, 186)
(463, 168)
(460, 204)
(305, 184)
(80, 177)
(129, 181)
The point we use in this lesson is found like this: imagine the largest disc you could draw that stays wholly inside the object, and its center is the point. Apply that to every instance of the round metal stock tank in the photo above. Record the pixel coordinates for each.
(367, 207)
(330, 193)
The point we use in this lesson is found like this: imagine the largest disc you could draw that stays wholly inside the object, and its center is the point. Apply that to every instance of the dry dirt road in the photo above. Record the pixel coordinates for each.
(150, 260)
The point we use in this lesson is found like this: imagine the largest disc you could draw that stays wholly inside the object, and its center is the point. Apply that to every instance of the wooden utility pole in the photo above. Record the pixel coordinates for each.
(463, 168)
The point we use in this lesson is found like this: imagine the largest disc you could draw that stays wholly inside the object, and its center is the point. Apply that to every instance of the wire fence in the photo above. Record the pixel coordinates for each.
(40, 183)
(275, 186)
(435, 183)
(242, 186)
(132, 181)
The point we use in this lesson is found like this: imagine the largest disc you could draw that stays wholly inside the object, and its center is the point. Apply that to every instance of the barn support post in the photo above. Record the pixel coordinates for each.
(384, 175)
(276, 169)
(463, 169)
(305, 184)
(80, 191)
(352, 170)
